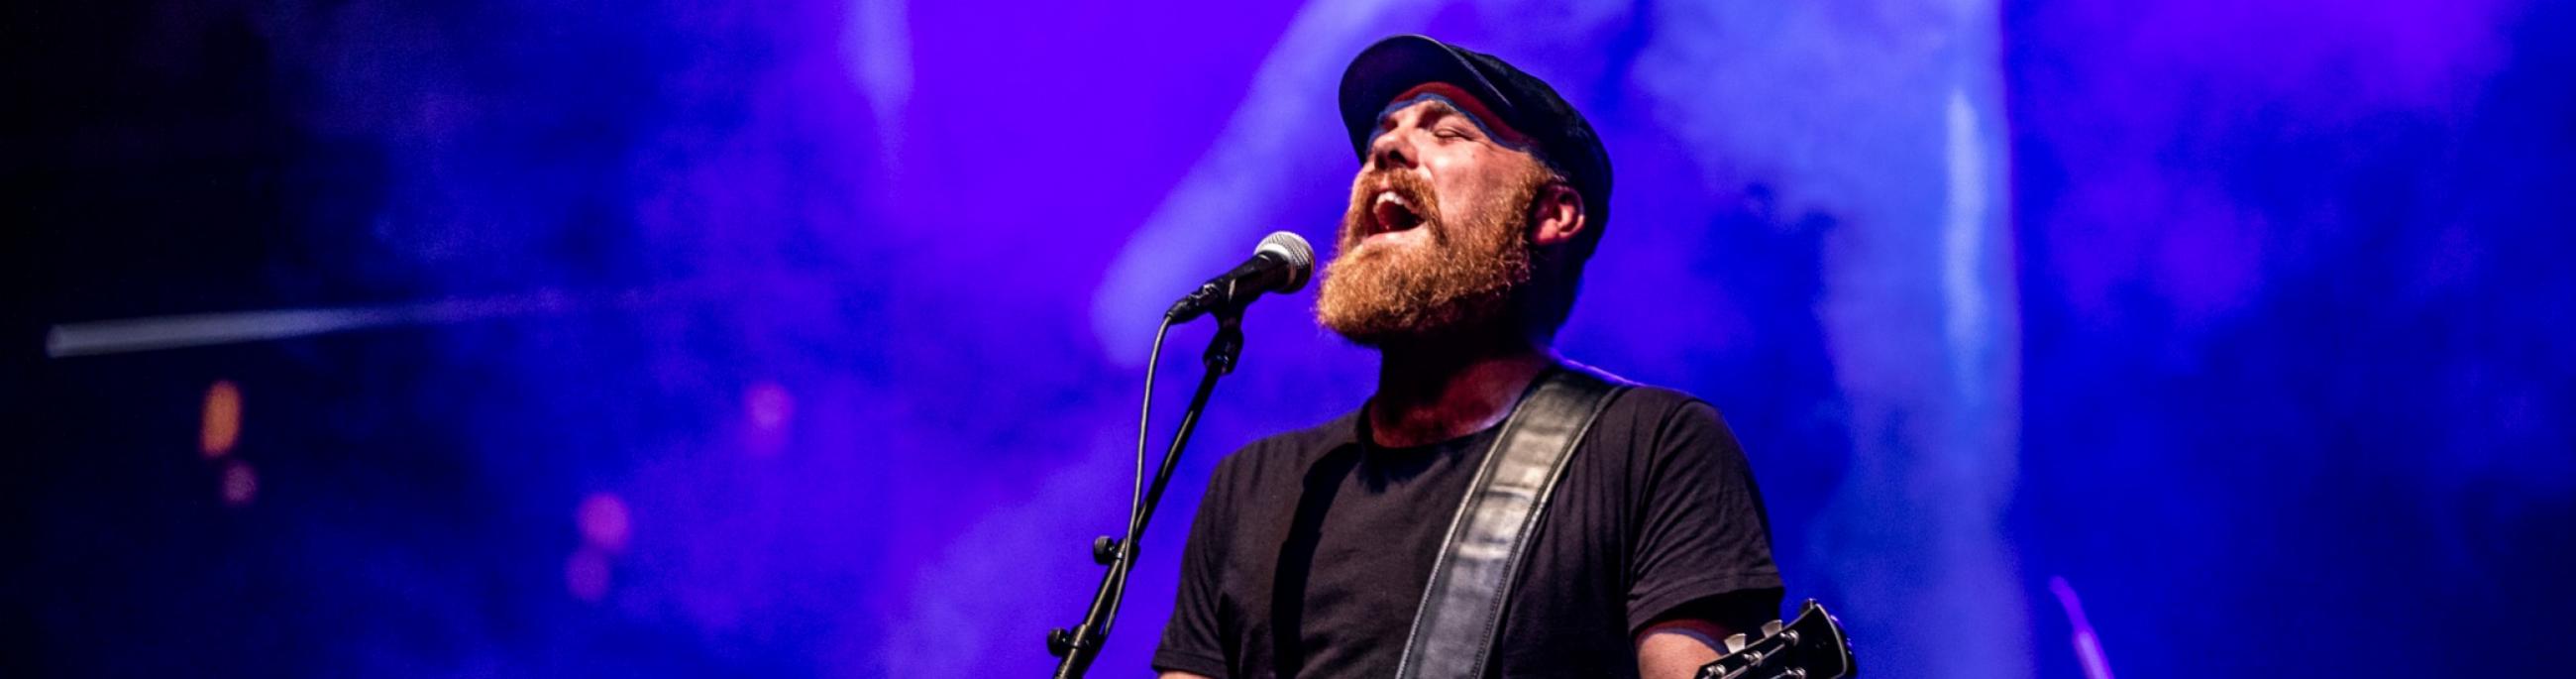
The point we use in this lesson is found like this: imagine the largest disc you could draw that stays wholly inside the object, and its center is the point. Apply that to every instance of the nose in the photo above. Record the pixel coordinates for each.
(1390, 150)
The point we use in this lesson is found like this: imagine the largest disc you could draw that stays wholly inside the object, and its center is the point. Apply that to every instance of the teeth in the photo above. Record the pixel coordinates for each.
(1393, 213)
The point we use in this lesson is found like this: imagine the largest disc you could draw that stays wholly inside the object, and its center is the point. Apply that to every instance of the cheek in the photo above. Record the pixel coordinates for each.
(1468, 201)
(1458, 186)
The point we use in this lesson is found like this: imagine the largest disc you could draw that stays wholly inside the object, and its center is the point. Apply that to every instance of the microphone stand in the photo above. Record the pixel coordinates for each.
(1081, 644)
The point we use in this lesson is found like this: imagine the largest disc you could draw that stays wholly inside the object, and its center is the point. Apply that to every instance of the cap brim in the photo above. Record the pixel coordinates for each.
(1397, 64)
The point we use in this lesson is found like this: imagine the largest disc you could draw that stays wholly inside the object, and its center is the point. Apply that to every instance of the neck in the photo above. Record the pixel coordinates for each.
(1435, 391)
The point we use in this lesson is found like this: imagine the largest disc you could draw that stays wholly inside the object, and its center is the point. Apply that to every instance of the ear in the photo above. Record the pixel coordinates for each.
(1557, 216)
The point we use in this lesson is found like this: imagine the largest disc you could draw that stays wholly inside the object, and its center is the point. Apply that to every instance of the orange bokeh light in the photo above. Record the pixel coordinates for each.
(222, 427)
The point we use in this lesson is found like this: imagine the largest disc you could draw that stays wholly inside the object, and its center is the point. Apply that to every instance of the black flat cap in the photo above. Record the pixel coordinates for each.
(1564, 138)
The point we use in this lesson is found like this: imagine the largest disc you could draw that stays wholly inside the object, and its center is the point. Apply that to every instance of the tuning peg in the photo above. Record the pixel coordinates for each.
(1770, 628)
(1734, 642)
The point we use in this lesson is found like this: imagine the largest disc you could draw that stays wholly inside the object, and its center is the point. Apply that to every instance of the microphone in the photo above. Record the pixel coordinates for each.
(1281, 264)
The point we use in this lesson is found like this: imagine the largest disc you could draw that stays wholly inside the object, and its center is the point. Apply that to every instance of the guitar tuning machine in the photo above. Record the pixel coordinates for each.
(1771, 628)
(1734, 642)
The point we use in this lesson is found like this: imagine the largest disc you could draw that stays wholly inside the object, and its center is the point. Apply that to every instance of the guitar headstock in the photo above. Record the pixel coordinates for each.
(1811, 647)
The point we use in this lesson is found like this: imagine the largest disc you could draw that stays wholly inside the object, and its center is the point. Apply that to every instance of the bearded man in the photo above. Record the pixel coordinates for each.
(1480, 196)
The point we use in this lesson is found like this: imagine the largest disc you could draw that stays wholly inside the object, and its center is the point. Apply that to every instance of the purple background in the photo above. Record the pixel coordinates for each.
(2244, 321)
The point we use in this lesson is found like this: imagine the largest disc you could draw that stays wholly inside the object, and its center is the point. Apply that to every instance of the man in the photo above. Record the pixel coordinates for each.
(1480, 196)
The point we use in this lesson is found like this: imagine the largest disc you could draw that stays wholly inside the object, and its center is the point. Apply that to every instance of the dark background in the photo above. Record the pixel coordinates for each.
(788, 339)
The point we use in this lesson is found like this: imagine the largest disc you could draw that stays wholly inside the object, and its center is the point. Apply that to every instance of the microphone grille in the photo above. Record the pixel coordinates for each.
(1300, 256)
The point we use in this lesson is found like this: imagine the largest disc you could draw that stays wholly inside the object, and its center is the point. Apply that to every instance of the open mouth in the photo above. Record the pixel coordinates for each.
(1389, 212)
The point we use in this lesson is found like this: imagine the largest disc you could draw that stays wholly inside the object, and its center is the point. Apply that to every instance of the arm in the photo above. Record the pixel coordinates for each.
(1180, 675)
(1192, 645)
(1678, 643)
(1674, 650)
(1704, 563)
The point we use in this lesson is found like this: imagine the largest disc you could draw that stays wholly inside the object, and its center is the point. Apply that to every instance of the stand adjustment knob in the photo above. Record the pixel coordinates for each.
(1104, 549)
(1059, 641)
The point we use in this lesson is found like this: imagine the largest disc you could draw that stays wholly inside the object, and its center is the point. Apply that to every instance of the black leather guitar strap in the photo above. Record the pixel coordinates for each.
(1462, 607)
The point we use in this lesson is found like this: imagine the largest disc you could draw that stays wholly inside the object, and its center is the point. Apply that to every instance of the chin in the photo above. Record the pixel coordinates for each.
(1371, 328)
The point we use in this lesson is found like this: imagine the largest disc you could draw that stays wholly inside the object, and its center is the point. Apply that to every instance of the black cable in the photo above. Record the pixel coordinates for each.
(1145, 421)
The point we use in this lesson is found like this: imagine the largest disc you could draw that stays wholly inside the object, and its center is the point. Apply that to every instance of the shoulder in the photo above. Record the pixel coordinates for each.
(1658, 413)
(1656, 431)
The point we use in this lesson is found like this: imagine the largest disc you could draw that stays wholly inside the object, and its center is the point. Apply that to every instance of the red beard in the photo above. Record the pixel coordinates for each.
(1461, 276)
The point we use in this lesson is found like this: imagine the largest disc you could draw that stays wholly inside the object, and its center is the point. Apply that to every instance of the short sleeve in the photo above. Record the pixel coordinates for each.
(1703, 531)
(1191, 641)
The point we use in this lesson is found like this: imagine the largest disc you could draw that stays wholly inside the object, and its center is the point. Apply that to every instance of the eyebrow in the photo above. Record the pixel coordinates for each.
(1438, 108)
(1442, 106)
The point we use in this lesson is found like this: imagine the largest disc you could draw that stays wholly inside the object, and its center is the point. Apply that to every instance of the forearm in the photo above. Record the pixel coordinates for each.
(1676, 649)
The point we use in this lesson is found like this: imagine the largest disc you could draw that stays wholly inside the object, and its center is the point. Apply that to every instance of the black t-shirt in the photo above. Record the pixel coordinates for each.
(1310, 552)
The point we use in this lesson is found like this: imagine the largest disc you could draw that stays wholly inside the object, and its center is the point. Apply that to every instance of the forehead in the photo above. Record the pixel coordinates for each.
(1436, 96)
(1415, 109)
